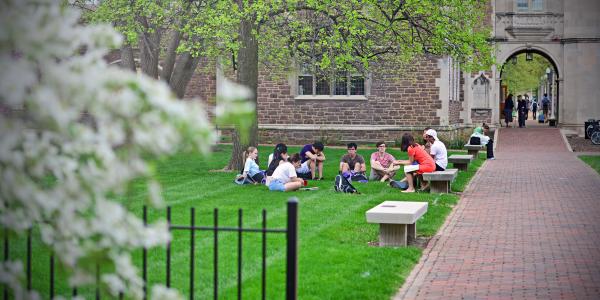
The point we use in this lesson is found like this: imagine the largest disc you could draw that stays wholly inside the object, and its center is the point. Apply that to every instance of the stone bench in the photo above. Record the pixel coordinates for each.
(460, 162)
(439, 181)
(474, 149)
(397, 221)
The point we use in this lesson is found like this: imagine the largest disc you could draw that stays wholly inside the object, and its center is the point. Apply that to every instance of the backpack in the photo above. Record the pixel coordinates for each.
(475, 140)
(354, 176)
(341, 184)
(243, 180)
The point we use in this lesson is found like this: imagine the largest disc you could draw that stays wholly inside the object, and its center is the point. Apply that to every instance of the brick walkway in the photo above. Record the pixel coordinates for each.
(528, 226)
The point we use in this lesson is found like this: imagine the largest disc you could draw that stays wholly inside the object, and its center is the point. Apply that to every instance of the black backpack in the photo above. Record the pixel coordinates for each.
(475, 140)
(341, 184)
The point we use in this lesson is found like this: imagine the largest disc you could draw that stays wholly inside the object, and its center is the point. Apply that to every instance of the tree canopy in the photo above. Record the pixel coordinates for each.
(322, 34)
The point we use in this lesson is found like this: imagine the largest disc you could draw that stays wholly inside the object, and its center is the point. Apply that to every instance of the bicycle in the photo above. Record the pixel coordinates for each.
(590, 128)
(593, 131)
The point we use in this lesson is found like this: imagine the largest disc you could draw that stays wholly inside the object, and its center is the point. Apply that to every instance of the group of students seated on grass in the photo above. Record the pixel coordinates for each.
(288, 173)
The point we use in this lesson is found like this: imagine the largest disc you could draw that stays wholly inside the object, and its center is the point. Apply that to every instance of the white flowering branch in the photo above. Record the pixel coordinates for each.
(75, 132)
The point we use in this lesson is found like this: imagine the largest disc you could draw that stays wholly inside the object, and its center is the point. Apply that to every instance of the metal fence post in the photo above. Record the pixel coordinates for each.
(292, 250)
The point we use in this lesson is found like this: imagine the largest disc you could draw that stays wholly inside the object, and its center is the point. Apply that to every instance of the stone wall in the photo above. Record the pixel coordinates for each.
(455, 109)
(409, 99)
(203, 85)
(394, 103)
(479, 116)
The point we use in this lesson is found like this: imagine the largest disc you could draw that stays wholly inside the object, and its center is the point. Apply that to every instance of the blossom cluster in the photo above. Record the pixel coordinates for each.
(74, 133)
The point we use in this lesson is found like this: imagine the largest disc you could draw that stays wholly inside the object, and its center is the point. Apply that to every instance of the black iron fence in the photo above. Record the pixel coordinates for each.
(291, 233)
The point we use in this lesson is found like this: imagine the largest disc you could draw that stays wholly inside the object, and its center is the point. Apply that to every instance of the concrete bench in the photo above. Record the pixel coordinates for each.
(439, 181)
(474, 149)
(460, 162)
(397, 221)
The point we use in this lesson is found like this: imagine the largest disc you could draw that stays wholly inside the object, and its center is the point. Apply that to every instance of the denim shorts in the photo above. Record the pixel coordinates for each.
(277, 185)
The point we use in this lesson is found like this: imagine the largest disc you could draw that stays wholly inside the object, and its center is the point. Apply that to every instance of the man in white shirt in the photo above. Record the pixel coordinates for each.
(438, 150)
(284, 177)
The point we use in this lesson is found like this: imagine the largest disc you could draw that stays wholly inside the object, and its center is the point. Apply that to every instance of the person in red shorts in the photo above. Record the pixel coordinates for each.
(416, 153)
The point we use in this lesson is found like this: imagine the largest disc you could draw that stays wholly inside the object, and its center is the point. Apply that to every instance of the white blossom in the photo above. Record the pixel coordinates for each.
(73, 131)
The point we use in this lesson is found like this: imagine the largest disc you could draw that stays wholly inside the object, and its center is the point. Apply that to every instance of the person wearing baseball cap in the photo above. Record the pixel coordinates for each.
(438, 150)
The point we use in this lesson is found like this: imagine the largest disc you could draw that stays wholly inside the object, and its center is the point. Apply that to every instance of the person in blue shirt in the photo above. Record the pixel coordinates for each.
(545, 106)
(251, 169)
(314, 154)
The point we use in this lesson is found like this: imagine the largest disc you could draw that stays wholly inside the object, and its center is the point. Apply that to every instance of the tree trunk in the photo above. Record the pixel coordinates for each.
(248, 76)
(183, 72)
(149, 52)
(127, 60)
(171, 56)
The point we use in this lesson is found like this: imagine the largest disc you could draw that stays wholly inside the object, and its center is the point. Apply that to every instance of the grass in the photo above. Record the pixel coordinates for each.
(335, 259)
(592, 160)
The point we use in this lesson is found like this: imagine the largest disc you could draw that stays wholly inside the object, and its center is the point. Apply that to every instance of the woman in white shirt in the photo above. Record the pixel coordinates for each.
(284, 177)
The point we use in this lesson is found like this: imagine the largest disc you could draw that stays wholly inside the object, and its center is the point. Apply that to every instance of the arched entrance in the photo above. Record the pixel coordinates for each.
(537, 66)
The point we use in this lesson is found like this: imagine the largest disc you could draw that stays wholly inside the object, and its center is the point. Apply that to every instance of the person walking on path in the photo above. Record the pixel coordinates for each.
(534, 108)
(507, 239)
(521, 111)
(527, 106)
(545, 106)
(509, 105)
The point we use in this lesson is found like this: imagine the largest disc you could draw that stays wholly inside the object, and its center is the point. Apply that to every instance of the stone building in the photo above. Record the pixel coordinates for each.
(298, 107)
(567, 33)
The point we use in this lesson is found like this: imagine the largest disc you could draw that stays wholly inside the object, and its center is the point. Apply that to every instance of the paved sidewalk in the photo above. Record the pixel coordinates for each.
(528, 226)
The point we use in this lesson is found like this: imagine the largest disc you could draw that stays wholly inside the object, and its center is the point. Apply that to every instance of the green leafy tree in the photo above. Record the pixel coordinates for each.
(353, 35)
(326, 35)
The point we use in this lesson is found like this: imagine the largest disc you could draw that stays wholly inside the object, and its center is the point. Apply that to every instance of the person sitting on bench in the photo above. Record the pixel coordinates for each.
(416, 153)
(438, 150)
(479, 137)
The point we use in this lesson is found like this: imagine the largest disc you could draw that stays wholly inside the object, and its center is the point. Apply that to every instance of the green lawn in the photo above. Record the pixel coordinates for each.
(335, 258)
(592, 160)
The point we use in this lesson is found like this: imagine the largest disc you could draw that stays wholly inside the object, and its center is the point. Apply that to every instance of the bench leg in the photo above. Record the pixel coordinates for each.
(392, 235)
(412, 232)
(475, 153)
(462, 167)
(439, 187)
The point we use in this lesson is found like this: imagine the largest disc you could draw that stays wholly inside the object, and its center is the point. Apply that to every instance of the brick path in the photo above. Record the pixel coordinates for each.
(528, 226)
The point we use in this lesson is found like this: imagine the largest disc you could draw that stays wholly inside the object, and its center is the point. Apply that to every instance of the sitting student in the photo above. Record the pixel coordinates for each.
(381, 164)
(352, 161)
(479, 134)
(416, 153)
(427, 143)
(303, 170)
(284, 177)
(314, 154)
(279, 155)
(278, 146)
(438, 150)
(251, 170)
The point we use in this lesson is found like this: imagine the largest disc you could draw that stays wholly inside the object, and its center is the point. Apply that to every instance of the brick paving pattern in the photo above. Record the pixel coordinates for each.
(527, 227)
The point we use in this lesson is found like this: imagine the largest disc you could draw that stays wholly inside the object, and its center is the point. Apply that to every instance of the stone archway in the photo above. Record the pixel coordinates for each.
(553, 89)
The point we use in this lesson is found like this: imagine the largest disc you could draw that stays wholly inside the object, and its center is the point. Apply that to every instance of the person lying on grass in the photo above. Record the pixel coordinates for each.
(284, 177)
(416, 153)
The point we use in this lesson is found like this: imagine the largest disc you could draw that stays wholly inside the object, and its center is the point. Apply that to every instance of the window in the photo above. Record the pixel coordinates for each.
(334, 84)
(530, 5)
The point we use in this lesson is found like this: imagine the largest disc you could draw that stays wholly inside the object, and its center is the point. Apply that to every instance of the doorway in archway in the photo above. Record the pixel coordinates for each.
(529, 79)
